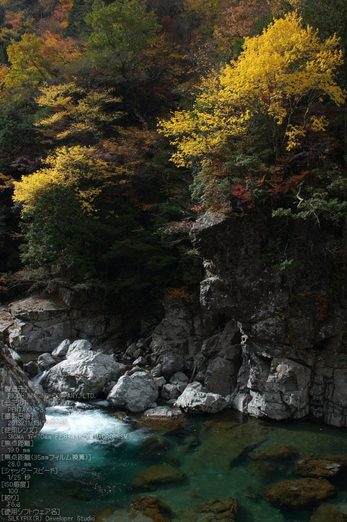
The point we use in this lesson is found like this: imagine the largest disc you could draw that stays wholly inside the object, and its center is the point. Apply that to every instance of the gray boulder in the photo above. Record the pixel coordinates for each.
(221, 375)
(31, 368)
(46, 361)
(61, 350)
(176, 386)
(179, 378)
(157, 370)
(170, 391)
(280, 392)
(136, 392)
(140, 361)
(173, 363)
(83, 375)
(163, 412)
(160, 381)
(80, 346)
(195, 399)
(38, 324)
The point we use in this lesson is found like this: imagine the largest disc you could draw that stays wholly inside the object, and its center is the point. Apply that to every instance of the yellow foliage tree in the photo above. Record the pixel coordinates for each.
(75, 111)
(277, 82)
(79, 168)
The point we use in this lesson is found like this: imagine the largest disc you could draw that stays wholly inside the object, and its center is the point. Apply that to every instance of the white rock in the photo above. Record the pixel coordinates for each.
(81, 345)
(195, 399)
(61, 350)
(163, 412)
(83, 375)
(135, 392)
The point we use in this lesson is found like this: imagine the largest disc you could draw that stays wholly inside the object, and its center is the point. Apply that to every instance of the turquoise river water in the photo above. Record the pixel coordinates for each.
(83, 461)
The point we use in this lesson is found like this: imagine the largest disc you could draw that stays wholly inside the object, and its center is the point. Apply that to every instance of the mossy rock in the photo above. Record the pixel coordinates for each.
(190, 443)
(263, 471)
(151, 507)
(161, 425)
(328, 466)
(328, 514)
(221, 427)
(214, 510)
(155, 448)
(300, 493)
(104, 514)
(278, 452)
(158, 475)
(226, 442)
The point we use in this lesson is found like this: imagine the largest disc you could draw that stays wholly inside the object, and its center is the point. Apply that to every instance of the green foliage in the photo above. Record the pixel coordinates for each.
(57, 231)
(76, 25)
(328, 17)
(122, 30)
(325, 196)
(18, 141)
(80, 215)
(113, 252)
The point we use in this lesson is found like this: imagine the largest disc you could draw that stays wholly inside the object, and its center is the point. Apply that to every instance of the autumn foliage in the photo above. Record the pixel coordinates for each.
(270, 97)
(121, 122)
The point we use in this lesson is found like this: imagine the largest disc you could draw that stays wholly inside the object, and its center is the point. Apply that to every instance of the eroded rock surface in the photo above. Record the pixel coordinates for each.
(268, 335)
(40, 324)
(162, 419)
(152, 507)
(300, 493)
(226, 441)
(279, 452)
(270, 327)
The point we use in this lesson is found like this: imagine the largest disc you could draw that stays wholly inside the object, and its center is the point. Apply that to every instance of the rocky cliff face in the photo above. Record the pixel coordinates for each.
(268, 334)
(22, 408)
(271, 331)
(283, 283)
(37, 324)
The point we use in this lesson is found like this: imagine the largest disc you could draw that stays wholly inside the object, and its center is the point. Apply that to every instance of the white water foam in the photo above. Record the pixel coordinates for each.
(89, 427)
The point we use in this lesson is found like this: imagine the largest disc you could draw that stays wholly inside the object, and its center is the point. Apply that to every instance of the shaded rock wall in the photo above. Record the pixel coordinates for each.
(284, 284)
(274, 301)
